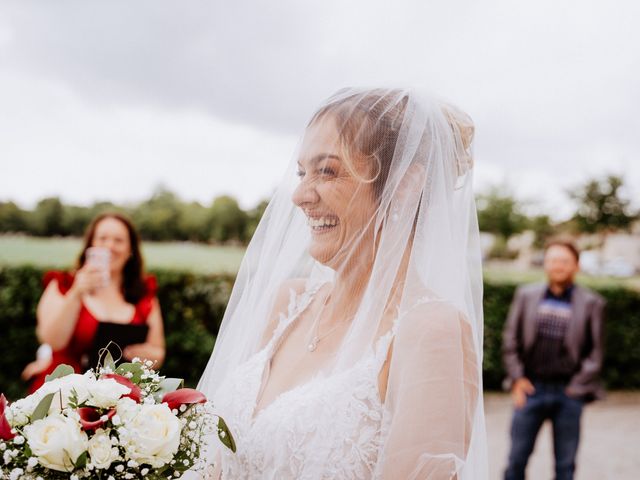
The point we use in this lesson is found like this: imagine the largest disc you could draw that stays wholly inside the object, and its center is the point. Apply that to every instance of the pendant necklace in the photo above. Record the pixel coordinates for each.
(316, 338)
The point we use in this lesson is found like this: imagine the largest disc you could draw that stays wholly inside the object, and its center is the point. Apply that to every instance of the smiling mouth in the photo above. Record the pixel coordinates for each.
(322, 224)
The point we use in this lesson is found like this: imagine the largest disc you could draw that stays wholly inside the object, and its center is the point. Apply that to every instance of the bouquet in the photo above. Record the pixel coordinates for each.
(124, 422)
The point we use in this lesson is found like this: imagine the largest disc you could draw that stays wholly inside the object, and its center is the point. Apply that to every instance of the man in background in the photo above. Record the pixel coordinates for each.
(552, 351)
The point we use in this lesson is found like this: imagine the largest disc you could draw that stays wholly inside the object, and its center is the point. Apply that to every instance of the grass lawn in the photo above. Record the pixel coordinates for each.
(199, 258)
(62, 253)
(504, 273)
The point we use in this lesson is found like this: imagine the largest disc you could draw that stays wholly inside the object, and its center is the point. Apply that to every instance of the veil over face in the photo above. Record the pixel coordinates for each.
(377, 209)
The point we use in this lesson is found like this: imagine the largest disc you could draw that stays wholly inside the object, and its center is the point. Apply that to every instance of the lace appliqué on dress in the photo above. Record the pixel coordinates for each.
(326, 428)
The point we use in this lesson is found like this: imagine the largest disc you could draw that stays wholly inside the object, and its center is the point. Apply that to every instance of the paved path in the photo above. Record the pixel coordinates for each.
(609, 447)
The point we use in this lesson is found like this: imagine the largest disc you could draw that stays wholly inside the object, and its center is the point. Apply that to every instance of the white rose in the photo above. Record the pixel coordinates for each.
(152, 436)
(106, 392)
(101, 450)
(12, 418)
(64, 386)
(127, 409)
(19, 411)
(57, 441)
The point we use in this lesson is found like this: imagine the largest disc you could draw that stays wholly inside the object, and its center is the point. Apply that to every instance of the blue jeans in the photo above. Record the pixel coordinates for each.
(548, 402)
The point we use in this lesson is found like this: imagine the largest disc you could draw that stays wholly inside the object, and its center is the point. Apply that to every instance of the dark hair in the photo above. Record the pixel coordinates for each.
(369, 123)
(567, 243)
(134, 287)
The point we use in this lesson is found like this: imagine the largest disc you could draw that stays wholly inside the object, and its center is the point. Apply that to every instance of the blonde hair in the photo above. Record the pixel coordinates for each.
(368, 126)
(369, 123)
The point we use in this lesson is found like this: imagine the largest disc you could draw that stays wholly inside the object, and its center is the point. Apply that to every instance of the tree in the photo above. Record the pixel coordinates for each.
(158, 218)
(602, 206)
(101, 207)
(543, 228)
(253, 218)
(228, 220)
(47, 218)
(75, 220)
(500, 213)
(163, 217)
(194, 223)
(12, 218)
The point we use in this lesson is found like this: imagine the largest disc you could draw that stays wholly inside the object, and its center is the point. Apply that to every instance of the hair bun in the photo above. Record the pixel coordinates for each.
(463, 130)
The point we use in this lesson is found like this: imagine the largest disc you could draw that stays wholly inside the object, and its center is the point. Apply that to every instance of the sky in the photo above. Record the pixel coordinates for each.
(110, 100)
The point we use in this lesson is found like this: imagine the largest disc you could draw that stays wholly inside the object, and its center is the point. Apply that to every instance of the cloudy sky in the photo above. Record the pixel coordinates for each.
(108, 100)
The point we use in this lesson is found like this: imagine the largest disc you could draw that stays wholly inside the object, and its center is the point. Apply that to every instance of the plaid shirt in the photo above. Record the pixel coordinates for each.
(549, 360)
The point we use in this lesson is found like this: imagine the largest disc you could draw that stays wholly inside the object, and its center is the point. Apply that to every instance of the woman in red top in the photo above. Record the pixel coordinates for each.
(72, 305)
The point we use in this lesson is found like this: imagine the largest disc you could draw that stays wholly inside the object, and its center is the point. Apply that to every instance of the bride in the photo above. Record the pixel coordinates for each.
(351, 345)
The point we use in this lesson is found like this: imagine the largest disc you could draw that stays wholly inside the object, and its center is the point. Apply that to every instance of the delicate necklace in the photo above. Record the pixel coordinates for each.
(315, 340)
(313, 344)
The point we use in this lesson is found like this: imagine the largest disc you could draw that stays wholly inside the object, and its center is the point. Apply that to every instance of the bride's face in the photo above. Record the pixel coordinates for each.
(332, 193)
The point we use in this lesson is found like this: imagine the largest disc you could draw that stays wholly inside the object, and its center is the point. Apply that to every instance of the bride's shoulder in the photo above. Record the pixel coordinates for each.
(434, 318)
(438, 334)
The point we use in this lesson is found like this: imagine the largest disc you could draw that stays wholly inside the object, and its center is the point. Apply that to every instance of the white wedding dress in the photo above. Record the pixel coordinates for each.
(329, 427)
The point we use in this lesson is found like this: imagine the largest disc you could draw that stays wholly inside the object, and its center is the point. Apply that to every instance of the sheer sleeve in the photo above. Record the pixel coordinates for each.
(434, 381)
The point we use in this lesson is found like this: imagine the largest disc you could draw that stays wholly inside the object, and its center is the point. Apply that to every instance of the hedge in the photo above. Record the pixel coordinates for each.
(193, 305)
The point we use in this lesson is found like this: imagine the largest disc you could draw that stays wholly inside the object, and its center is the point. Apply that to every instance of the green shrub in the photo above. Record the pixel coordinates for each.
(20, 289)
(193, 306)
(497, 298)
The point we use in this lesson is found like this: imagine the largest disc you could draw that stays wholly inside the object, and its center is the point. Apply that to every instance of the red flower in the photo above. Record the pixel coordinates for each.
(5, 428)
(90, 418)
(183, 396)
(135, 394)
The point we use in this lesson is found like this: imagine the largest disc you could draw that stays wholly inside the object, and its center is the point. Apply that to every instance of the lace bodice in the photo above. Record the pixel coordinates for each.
(329, 427)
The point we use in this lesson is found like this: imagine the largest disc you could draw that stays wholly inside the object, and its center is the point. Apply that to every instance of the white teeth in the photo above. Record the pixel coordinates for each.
(322, 222)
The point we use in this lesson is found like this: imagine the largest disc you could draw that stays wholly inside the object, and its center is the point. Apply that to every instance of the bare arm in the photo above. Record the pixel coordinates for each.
(57, 315)
(432, 395)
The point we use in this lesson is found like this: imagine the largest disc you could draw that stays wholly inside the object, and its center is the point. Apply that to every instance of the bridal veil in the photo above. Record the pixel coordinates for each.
(409, 233)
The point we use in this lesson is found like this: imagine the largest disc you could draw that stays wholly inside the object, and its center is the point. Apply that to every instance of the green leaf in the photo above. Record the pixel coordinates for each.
(167, 385)
(224, 434)
(135, 369)
(170, 385)
(61, 370)
(181, 467)
(81, 461)
(43, 407)
(73, 399)
(160, 471)
(106, 360)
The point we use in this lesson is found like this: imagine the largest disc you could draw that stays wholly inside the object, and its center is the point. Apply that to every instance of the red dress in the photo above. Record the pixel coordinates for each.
(83, 336)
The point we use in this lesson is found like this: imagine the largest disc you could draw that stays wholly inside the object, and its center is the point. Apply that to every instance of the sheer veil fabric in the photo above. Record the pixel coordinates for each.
(376, 214)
